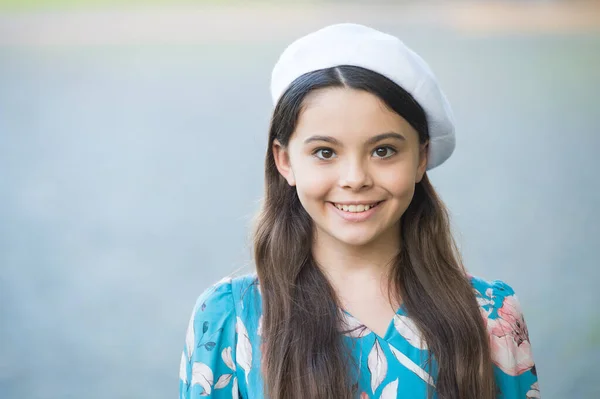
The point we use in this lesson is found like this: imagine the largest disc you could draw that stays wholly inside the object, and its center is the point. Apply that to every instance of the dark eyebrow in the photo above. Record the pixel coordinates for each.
(383, 136)
(371, 141)
(327, 139)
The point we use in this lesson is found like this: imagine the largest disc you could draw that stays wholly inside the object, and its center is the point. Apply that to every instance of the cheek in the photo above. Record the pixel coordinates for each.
(314, 189)
(313, 183)
(399, 182)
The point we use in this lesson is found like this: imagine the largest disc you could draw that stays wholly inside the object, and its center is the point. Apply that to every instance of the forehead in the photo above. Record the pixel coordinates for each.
(348, 114)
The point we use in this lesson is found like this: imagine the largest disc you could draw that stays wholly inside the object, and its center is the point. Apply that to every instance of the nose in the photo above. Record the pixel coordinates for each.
(355, 175)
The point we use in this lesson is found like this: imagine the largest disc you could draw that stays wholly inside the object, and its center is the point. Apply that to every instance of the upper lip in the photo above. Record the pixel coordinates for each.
(355, 202)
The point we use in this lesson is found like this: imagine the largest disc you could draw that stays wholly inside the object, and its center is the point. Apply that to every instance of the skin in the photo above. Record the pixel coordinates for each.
(334, 156)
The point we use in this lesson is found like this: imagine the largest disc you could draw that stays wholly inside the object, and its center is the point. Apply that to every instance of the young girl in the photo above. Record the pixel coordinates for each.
(359, 291)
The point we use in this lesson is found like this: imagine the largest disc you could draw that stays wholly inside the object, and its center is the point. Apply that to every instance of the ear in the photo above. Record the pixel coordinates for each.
(282, 161)
(423, 158)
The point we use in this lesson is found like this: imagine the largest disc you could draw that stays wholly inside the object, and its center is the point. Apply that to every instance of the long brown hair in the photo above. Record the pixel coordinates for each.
(304, 354)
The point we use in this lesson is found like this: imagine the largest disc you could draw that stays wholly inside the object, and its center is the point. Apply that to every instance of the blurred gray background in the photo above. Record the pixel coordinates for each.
(131, 149)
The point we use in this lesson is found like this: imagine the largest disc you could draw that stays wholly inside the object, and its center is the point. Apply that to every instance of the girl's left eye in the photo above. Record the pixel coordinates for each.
(384, 152)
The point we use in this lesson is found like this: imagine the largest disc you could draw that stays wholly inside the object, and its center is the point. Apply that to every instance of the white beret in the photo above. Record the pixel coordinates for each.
(358, 45)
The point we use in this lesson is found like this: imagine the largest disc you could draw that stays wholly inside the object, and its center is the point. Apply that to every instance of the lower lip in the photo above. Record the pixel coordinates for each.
(355, 216)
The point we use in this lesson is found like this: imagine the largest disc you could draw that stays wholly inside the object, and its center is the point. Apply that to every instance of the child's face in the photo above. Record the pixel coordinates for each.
(334, 159)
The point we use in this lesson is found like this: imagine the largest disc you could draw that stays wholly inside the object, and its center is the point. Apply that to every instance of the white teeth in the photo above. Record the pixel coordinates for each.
(354, 208)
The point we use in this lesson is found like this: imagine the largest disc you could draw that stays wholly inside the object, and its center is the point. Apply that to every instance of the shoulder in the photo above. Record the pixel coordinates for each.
(228, 296)
(226, 291)
(217, 295)
(490, 287)
(247, 299)
(245, 283)
(497, 299)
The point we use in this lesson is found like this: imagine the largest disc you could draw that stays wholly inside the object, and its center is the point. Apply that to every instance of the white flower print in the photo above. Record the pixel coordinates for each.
(183, 368)
(412, 366)
(190, 337)
(390, 391)
(202, 375)
(244, 347)
(534, 391)
(226, 356)
(486, 300)
(234, 389)
(224, 379)
(378, 365)
(259, 329)
(409, 330)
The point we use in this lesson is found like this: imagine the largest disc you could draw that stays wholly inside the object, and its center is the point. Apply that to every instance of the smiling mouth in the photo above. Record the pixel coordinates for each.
(356, 208)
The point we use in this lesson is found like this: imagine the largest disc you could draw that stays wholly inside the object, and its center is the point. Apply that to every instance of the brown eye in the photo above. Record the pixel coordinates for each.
(384, 152)
(324, 153)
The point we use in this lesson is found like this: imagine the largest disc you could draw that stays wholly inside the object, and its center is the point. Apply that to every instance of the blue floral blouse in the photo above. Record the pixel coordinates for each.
(221, 356)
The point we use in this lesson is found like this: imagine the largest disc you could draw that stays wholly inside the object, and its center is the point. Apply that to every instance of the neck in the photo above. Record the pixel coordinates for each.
(342, 262)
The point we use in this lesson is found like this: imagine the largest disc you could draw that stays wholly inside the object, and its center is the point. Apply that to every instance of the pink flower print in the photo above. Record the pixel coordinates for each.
(510, 310)
(509, 339)
(364, 395)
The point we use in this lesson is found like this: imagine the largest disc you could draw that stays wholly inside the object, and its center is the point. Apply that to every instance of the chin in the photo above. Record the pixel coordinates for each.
(355, 240)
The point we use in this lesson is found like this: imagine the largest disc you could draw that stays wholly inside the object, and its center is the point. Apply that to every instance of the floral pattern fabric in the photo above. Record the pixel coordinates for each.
(222, 351)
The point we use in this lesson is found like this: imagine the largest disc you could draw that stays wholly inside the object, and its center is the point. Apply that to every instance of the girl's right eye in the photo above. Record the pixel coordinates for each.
(324, 153)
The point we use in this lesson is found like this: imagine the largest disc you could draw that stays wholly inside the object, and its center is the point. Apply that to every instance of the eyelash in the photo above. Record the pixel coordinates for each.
(387, 147)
